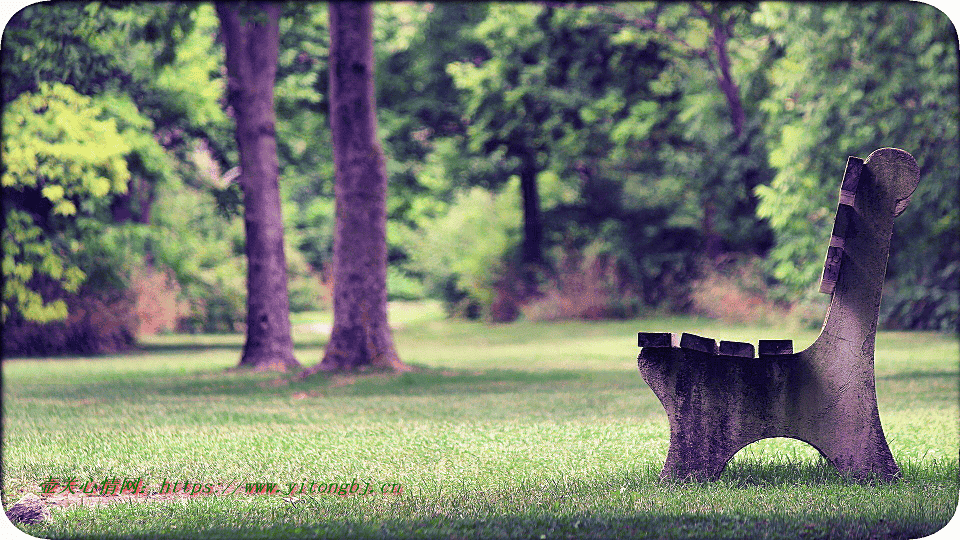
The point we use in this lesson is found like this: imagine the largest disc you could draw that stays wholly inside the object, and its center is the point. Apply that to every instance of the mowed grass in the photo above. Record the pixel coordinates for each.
(528, 430)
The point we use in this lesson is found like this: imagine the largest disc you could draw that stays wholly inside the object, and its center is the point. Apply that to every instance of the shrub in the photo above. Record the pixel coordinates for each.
(403, 286)
(735, 290)
(98, 322)
(587, 284)
(464, 253)
(157, 304)
(305, 286)
(217, 299)
(930, 301)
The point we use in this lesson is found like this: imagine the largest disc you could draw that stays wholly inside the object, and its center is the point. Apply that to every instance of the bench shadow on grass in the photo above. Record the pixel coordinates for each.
(780, 472)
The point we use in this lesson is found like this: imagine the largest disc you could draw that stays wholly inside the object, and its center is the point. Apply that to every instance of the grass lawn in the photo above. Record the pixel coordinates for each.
(530, 430)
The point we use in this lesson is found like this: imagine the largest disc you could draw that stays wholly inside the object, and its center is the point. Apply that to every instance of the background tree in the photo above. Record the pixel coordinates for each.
(559, 88)
(361, 335)
(251, 38)
(718, 61)
(654, 128)
(852, 79)
(62, 66)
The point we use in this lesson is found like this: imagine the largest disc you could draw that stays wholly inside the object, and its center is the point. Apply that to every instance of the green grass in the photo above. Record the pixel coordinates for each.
(529, 430)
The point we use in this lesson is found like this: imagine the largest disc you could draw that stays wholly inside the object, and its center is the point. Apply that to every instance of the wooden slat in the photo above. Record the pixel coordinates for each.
(775, 346)
(737, 348)
(657, 339)
(697, 343)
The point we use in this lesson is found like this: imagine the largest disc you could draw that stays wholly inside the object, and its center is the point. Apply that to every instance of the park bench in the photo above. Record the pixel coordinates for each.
(720, 397)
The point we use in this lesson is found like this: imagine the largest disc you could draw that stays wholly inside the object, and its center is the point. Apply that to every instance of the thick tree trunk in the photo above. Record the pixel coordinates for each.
(251, 39)
(361, 336)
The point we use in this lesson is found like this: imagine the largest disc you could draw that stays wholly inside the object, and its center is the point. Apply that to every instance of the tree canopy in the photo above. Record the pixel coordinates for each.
(533, 152)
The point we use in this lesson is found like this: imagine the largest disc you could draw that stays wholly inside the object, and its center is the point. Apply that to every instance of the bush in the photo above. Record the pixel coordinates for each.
(928, 302)
(305, 286)
(463, 254)
(587, 284)
(98, 322)
(735, 290)
(217, 299)
(403, 286)
(158, 306)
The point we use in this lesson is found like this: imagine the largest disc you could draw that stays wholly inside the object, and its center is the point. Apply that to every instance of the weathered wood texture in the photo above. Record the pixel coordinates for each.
(736, 348)
(824, 395)
(841, 224)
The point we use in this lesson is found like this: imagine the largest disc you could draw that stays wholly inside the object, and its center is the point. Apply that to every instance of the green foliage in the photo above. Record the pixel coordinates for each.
(404, 286)
(306, 291)
(54, 42)
(304, 146)
(58, 141)
(207, 260)
(617, 106)
(558, 88)
(445, 250)
(26, 254)
(63, 155)
(706, 155)
(853, 79)
(89, 170)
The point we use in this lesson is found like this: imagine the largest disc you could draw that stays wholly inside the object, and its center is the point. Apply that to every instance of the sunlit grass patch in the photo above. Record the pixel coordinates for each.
(502, 431)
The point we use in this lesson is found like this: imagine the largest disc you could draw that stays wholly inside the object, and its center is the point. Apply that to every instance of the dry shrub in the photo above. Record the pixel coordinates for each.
(157, 301)
(325, 293)
(508, 294)
(587, 285)
(735, 290)
(98, 322)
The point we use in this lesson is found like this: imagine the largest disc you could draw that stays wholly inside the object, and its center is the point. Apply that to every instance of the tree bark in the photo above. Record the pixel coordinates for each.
(251, 39)
(361, 336)
(725, 79)
(532, 226)
(531, 250)
(722, 31)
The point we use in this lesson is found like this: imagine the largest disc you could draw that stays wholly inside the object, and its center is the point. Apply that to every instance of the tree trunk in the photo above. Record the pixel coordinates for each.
(532, 226)
(711, 238)
(531, 256)
(251, 40)
(725, 79)
(722, 32)
(361, 336)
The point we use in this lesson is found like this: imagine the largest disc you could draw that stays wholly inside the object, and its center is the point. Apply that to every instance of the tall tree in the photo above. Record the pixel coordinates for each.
(852, 79)
(361, 336)
(560, 102)
(719, 57)
(251, 41)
